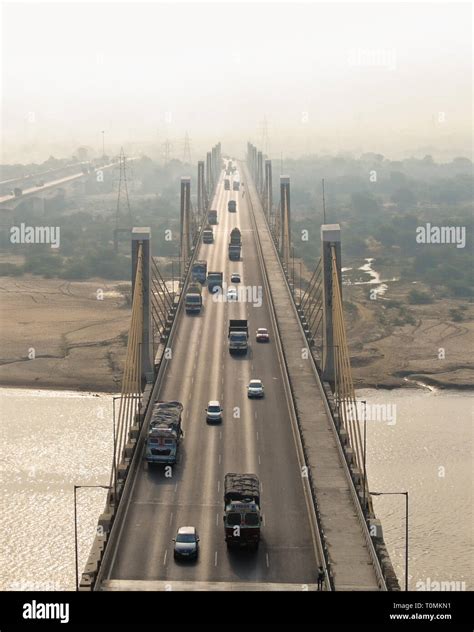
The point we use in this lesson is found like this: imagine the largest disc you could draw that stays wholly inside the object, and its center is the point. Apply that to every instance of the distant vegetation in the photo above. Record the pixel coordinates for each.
(379, 204)
(86, 246)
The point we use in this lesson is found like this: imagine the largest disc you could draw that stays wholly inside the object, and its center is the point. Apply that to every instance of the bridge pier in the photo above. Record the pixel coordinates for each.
(185, 231)
(141, 236)
(209, 183)
(268, 197)
(330, 236)
(260, 172)
(285, 222)
(200, 190)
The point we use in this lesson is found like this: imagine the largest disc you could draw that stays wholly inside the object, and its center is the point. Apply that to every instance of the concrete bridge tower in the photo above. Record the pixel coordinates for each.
(268, 189)
(200, 189)
(285, 220)
(331, 242)
(142, 237)
(185, 228)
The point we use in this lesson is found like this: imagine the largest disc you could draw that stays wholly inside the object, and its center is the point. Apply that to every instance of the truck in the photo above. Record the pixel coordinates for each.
(17, 192)
(242, 515)
(199, 271)
(238, 336)
(193, 299)
(235, 244)
(164, 432)
(207, 235)
(214, 280)
(232, 206)
(227, 184)
(236, 184)
(212, 217)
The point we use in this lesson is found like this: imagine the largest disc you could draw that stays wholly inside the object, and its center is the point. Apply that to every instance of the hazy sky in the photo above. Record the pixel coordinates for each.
(388, 77)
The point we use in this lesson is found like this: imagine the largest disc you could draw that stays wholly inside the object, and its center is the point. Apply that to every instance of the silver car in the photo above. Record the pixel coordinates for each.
(214, 411)
(255, 388)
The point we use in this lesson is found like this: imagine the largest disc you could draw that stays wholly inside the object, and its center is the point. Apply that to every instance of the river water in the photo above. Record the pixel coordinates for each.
(50, 442)
(53, 440)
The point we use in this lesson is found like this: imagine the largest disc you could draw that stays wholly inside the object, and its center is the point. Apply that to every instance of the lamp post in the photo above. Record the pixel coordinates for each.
(76, 487)
(406, 526)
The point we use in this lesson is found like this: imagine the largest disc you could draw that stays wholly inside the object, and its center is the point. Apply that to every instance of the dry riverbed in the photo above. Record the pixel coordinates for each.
(59, 334)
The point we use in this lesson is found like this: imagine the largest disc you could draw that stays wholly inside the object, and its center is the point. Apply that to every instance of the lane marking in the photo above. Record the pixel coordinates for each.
(166, 555)
(268, 561)
(220, 457)
(217, 520)
(259, 461)
(175, 487)
(257, 435)
(215, 559)
(171, 517)
(263, 519)
(218, 486)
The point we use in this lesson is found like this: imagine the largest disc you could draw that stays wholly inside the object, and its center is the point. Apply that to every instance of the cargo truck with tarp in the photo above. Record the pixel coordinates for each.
(214, 281)
(242, 515)
(164, 432)
(199, 271)
(235, 244)
(193, 298)
(212, 217)
(238, 336)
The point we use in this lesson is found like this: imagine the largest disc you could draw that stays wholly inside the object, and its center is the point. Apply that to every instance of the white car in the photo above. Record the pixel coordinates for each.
(214, 411)
(255, 388)
(232, 294)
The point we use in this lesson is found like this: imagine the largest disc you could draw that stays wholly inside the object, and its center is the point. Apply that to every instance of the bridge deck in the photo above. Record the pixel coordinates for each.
(351, 562)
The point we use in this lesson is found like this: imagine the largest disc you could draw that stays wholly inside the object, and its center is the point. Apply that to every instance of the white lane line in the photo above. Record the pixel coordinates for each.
(175, 487)
(255, 414)
(268, 561)
(218, 486)
(171, 517)
(220, 458)
(220, 434)
(263, 519)
(259, 461)
(166, 555)
(261, 487)
(215, 559)
(222, 379)
(217, 520)
(257, 435)
(192, 380)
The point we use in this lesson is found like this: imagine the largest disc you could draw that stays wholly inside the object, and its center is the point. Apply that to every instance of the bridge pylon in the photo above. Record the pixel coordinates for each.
(268, 190)
(285, 220)
(141, 249)
(331, 242)
(260, 172)
(185, 226)
(209, 180)
(200, 190)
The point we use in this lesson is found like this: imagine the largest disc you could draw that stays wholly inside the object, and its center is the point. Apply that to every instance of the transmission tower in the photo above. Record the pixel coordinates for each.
(166, 151)
(123, 214)
(187, 149)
